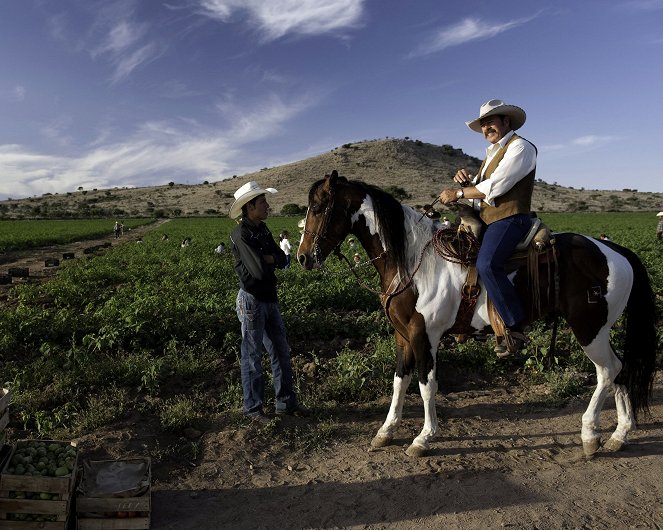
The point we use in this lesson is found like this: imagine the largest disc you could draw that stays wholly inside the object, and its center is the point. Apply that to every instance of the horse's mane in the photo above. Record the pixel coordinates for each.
(389, 214)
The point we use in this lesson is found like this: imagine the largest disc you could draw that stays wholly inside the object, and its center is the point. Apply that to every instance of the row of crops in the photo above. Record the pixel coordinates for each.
(151, 327)
(16, 235)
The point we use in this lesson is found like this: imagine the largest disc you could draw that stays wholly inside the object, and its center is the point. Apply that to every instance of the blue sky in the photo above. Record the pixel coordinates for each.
(111, 93)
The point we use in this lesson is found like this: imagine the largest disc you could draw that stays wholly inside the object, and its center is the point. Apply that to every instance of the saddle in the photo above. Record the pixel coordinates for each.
(536, 248)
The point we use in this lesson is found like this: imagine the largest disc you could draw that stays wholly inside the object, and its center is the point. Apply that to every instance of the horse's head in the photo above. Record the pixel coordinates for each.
(327, 219)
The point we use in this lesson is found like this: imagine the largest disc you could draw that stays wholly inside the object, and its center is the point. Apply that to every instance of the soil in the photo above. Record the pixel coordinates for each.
(504, 457)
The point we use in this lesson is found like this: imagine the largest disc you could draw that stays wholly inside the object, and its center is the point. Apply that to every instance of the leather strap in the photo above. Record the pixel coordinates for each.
(468, 301)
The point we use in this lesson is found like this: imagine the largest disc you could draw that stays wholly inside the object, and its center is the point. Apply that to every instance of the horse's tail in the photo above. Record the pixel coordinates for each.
(639, 357)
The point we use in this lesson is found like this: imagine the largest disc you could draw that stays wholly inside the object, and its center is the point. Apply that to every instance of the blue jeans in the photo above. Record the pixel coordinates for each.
(499, 241)
(262, 325)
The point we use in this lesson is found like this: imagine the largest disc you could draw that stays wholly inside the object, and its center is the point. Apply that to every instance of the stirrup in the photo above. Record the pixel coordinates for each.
(514, 341)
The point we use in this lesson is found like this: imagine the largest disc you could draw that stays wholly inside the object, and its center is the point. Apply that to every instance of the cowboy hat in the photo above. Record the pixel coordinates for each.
(659, 214)
(248, 191)
(497, 106)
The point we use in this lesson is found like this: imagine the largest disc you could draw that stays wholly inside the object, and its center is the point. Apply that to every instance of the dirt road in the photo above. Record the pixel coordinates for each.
(497, 463)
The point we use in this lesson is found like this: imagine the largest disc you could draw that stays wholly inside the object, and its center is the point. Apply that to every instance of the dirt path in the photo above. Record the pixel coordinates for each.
(34, 259)
(497, 463)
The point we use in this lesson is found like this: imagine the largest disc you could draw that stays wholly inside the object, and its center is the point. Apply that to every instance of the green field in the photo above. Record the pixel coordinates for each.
(150, 329)
(17, 235)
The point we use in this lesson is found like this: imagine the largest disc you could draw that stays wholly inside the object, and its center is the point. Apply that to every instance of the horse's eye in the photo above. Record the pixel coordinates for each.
(316, 209)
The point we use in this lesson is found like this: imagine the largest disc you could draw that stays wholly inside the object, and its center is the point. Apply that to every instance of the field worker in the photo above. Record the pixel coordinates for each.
(256, 257)
(286, 247)
(659, 228)
(502, 194)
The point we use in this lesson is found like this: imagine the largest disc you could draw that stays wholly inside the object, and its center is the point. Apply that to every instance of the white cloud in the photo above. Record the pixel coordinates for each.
(126, 64)
(157, 152)
(56, 130)
(591, 140)
(124, 43)
(277, 18)
(19, 93)
(467, 30)
(645, 5)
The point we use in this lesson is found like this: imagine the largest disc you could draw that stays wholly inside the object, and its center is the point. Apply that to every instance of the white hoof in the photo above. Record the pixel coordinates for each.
(416, 451)
(614, 445)
(591, 447)
(381, 440)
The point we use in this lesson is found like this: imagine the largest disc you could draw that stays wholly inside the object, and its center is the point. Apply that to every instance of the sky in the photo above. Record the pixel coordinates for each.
(124, 93)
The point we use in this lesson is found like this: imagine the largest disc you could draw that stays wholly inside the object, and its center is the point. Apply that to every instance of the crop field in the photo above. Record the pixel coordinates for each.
(16, 235)
(151, 327)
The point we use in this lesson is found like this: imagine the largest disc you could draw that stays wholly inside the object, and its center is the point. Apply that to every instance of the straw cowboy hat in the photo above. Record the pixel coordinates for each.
(497, 106)
(249, 191)
(659, 214)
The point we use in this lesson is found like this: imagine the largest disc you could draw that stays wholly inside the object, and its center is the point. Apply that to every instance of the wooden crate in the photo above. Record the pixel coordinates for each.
(115, 513)
(5, 398)
(58, 509)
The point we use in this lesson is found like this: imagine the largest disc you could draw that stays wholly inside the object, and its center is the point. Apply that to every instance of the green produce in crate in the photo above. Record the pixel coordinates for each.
(41, 459)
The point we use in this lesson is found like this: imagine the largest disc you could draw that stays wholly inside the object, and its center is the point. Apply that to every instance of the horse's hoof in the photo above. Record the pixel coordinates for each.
(591, 447)
(416, 451)
(381, 440)
(614, 445)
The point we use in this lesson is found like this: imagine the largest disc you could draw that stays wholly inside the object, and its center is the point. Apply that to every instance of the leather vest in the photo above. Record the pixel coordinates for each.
(517, 200)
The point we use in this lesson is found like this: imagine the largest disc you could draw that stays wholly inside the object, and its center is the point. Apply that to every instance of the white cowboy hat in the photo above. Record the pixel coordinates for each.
(659, 214)
(244, 194)
(497, 106)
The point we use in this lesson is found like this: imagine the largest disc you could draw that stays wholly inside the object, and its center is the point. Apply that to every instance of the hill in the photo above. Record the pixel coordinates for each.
(415, 170)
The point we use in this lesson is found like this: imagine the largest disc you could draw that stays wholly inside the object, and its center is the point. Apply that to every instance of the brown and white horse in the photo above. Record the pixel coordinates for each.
(421, 292)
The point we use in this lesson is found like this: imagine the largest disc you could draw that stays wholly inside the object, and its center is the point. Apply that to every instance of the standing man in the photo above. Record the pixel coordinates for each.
(502, 193)
(256, 257)
(659, 228)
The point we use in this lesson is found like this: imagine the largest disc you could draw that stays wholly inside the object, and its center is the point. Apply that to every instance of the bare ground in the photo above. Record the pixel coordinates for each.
(497, 462)
(502, 459)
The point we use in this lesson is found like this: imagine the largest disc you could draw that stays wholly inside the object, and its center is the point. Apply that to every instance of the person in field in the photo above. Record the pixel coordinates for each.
(659, 228)
(256, 257)
(502, 194)
(286, 247)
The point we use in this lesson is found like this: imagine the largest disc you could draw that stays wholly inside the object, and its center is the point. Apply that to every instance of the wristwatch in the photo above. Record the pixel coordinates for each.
(460, 194)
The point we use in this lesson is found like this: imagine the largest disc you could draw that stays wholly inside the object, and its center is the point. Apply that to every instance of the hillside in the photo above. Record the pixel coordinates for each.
(420, 169)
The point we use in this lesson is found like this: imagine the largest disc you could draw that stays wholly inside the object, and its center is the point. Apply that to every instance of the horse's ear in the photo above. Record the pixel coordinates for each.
(333, 176)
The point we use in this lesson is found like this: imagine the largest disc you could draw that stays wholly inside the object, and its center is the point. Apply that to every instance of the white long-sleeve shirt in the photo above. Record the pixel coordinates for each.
(286, 247)
(518, 161)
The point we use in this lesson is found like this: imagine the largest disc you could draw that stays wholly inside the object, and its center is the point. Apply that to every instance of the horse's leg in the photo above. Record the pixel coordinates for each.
(625, 420)
(607, 367)
(421, 443)
(402, 379)
(425, 358)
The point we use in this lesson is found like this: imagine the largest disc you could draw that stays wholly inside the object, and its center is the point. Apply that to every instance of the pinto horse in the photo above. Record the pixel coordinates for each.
(421, 294)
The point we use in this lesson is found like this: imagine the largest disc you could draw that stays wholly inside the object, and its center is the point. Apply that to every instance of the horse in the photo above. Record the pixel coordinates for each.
(594, 281)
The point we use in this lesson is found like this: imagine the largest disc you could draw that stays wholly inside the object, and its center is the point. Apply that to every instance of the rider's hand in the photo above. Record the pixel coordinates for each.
(463, 178)
(448, 196)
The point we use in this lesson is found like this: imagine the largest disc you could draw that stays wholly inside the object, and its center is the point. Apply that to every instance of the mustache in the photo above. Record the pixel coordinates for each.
(490, 130)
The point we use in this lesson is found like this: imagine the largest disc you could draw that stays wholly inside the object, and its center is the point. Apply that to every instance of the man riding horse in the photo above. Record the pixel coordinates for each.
(501, 192)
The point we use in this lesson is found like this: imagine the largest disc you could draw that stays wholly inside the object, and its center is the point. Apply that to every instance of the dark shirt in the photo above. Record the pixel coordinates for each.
(250, 244)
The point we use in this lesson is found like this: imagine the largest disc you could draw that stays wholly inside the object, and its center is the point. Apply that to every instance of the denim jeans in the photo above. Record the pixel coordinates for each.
(262, 325)
(499, 241)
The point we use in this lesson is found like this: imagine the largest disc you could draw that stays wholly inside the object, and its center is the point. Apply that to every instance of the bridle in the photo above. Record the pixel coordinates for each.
(322, 233)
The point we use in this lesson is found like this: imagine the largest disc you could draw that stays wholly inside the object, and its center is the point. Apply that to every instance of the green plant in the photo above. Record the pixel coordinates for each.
(179, 412)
